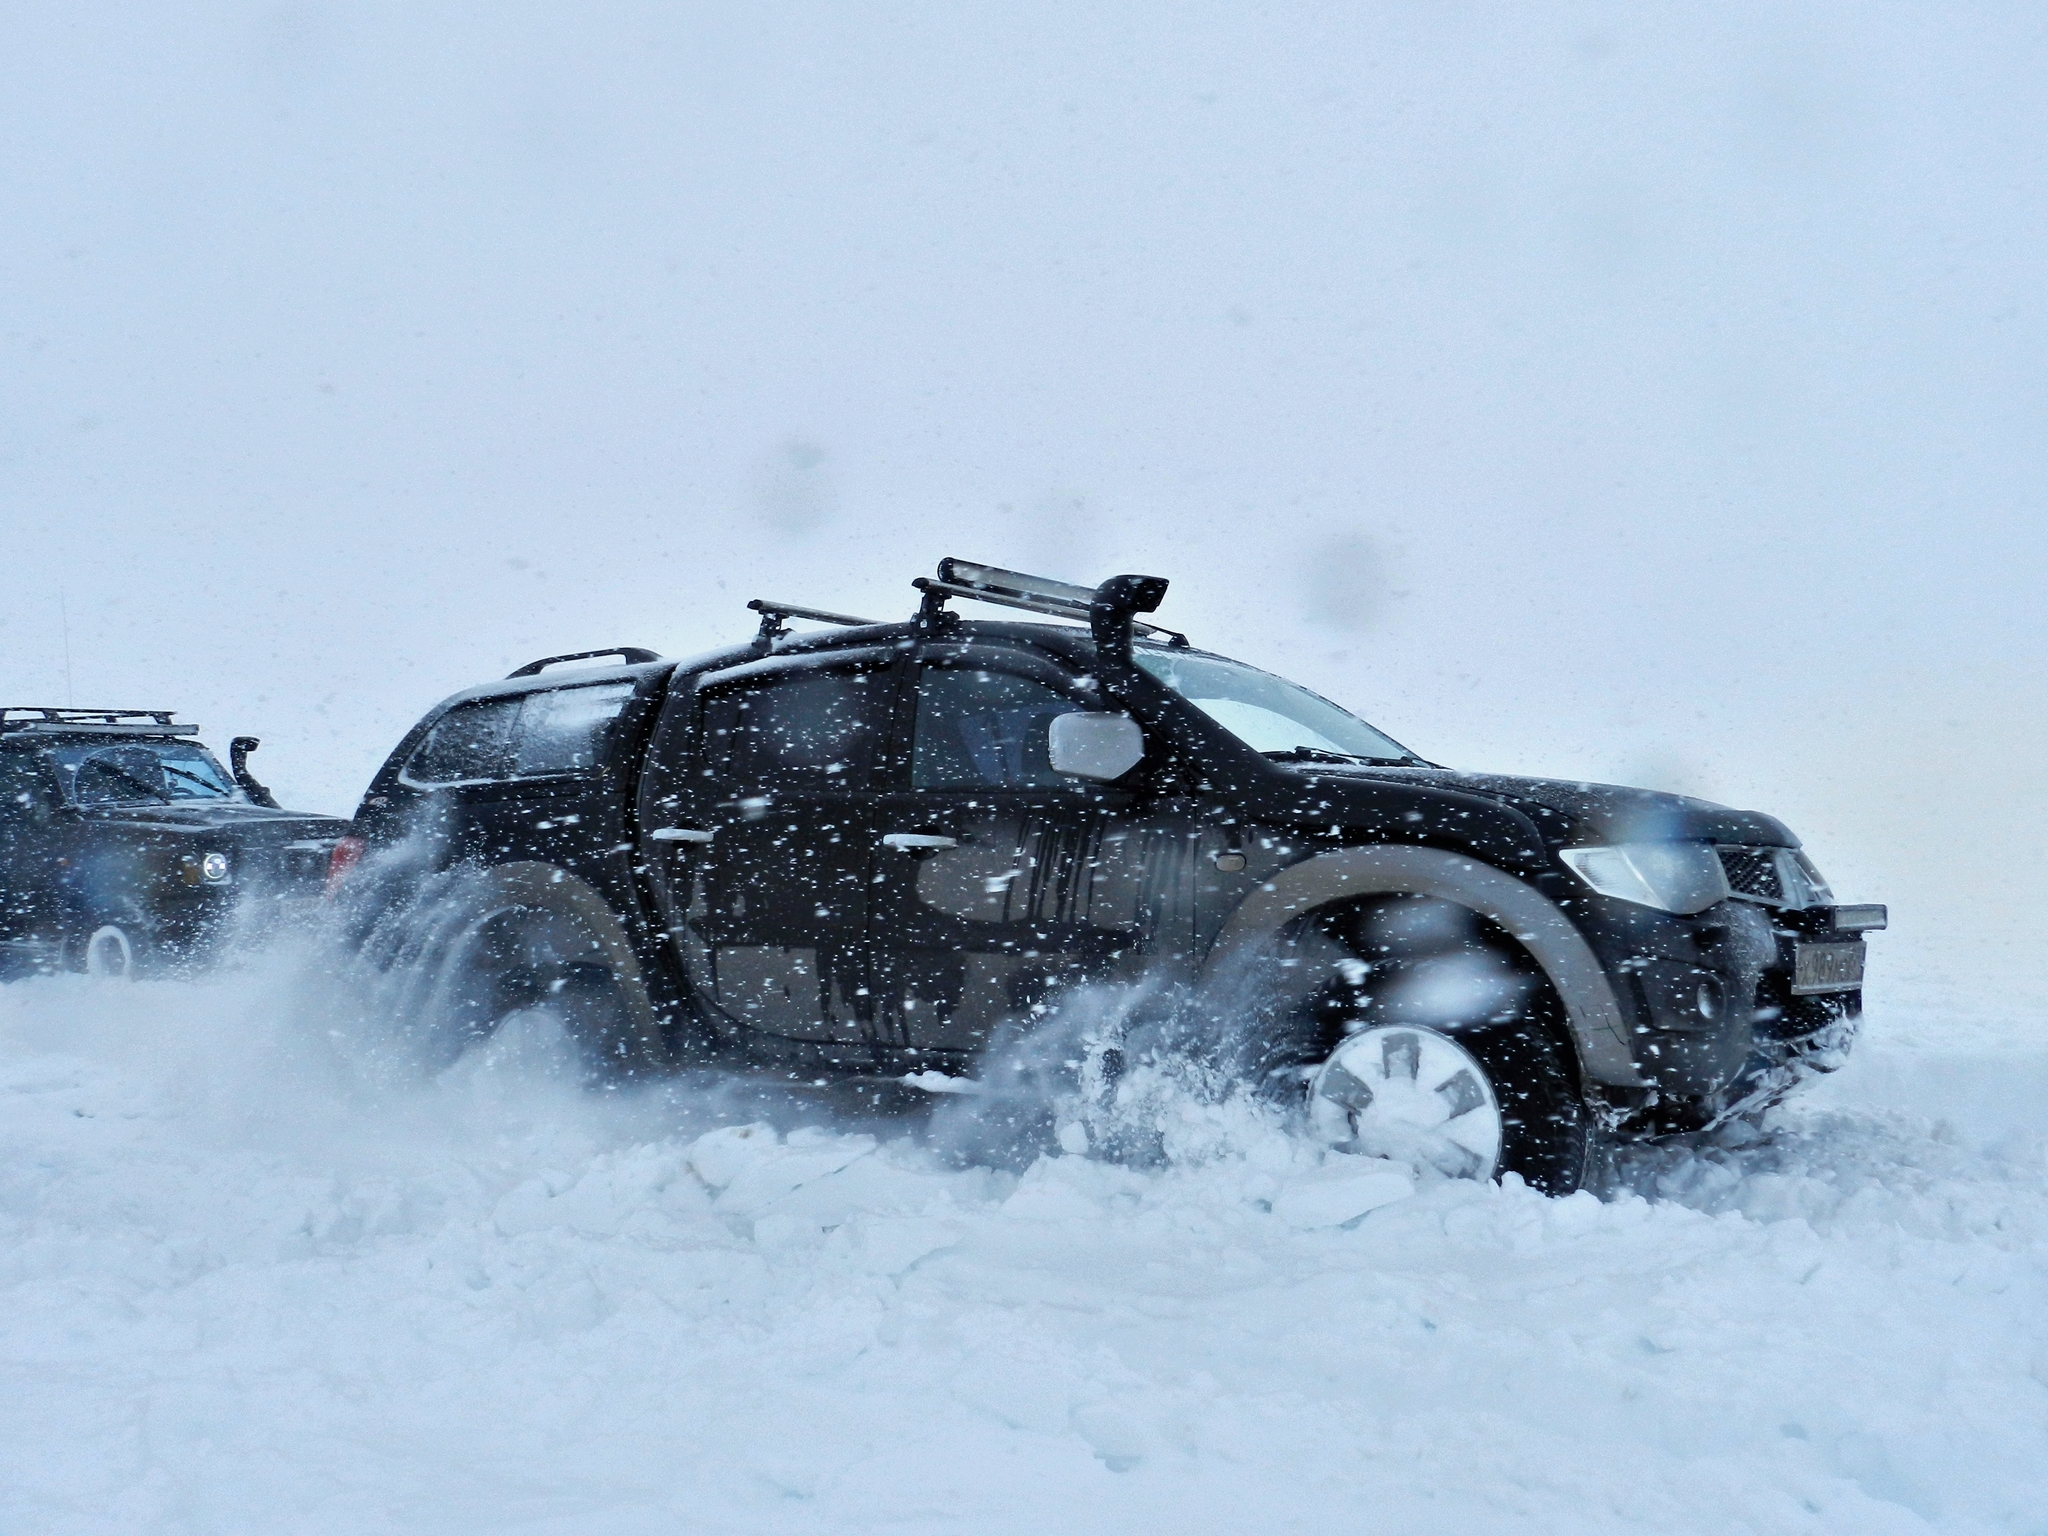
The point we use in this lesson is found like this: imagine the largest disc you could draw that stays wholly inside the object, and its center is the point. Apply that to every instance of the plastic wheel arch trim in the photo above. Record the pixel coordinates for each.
(1594, 1016)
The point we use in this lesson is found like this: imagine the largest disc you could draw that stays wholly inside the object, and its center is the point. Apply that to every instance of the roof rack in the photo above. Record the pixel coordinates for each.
(1109, 610)
(632, 655)
(133, 722)
(775, 617)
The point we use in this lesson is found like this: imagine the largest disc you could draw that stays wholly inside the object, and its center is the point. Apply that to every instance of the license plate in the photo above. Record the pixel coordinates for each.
(1826, 968)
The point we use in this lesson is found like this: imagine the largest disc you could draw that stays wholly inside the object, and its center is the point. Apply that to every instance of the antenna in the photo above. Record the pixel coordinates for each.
(64, 620)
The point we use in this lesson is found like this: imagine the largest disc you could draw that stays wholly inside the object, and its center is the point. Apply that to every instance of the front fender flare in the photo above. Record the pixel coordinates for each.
(1532, 919)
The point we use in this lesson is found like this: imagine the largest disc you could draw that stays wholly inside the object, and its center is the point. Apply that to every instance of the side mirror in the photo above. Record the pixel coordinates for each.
(1086, 745)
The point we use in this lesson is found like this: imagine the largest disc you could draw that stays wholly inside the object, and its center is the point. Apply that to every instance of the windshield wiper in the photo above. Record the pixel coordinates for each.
(212, 788)
(1324, 755)
(1315, 755)
(136, 779)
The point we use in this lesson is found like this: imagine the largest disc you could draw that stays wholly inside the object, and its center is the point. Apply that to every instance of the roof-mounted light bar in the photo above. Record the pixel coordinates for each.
(1115, 603)
(996, 581)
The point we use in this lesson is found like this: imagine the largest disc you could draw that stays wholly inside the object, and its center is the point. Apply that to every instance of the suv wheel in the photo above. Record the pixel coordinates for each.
(113, 945)
(1471, 1105)
(110, 952)
(480, 946)
(1433, 1041)
(521, 959)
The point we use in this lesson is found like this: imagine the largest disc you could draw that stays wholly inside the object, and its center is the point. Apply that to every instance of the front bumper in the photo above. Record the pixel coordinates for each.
(1728, 1010)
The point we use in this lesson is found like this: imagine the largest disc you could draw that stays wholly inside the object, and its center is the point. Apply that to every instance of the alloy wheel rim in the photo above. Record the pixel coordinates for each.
(1412, 1095)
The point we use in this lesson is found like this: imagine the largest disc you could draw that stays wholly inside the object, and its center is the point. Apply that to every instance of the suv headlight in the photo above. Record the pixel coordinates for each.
(1672, 877)
(213, 868)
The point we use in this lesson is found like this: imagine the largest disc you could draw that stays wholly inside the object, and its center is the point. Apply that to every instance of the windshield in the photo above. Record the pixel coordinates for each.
(148, 772)
(1270, 714)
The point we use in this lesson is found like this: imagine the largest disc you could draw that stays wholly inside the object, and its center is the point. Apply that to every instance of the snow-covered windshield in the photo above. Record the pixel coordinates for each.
(1268, 713)
(141, 771)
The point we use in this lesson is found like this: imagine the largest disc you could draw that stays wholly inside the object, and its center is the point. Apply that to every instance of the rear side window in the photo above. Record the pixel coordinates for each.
(470, 742)
(562, 731)
(558, 731)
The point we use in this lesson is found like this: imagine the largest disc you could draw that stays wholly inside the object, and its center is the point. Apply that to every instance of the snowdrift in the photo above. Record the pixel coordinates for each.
(252, 1281)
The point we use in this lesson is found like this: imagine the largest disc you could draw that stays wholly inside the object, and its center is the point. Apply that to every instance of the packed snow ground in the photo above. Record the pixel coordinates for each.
(252, 1281)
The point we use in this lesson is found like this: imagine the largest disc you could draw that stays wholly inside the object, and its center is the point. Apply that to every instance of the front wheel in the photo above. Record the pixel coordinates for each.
(1472, 1105)
(111, 952)
(112, 944)
(1415, 1030)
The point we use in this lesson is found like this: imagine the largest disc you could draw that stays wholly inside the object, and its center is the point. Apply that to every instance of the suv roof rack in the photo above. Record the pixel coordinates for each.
(131, 722)
(632, 655)
(775, 617)
(1109, 610)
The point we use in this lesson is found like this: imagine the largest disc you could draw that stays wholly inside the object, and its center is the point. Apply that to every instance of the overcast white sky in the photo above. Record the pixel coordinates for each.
(1579, 389)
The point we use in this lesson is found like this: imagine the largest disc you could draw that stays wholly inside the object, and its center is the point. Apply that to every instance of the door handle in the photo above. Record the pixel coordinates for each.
(680, 835)
(917, 842)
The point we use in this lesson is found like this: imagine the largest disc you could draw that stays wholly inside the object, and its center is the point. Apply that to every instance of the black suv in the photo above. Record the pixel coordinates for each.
(877, 848)
(126, 848)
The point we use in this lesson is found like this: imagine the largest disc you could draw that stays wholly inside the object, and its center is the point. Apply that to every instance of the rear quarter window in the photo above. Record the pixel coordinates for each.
(562, 731)
(559, 730)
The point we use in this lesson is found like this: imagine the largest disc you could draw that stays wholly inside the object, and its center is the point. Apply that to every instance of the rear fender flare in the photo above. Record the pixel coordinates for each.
(464, 897)
(1533, 920)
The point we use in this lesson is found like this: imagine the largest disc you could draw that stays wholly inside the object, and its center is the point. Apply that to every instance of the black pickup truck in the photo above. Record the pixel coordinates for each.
(126, 849)
(873, 848)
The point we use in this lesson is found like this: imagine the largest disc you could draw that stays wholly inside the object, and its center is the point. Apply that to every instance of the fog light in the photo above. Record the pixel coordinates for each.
(1710, 999)
(215, 868)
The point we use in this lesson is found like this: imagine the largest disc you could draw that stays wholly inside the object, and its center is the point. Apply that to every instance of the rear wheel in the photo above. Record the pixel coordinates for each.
(522, 959)
(481, 946)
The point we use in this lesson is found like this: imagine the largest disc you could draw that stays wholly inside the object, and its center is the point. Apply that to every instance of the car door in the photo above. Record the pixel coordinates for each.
(761, 840)
(1000, 883)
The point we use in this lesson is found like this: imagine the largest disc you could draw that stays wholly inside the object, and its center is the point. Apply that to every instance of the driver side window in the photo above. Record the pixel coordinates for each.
(978, 729)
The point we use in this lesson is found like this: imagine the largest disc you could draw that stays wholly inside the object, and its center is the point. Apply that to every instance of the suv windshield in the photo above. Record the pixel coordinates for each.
(140, 771)
(1269, 714)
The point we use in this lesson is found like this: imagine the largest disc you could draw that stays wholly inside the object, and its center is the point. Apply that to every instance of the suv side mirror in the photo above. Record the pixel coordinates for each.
(1087, 745)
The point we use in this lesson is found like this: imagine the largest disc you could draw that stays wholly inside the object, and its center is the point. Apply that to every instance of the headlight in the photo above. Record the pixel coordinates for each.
(1672, 877)
(214, 867)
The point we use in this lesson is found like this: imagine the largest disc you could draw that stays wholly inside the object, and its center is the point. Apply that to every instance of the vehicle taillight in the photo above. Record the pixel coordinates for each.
(347, 854)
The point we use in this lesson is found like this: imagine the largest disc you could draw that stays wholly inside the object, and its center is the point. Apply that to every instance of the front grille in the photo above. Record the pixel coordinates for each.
(1753, 873)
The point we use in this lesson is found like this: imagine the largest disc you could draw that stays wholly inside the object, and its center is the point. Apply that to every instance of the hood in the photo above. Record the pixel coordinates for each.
(1601, 813)
(237, 819)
